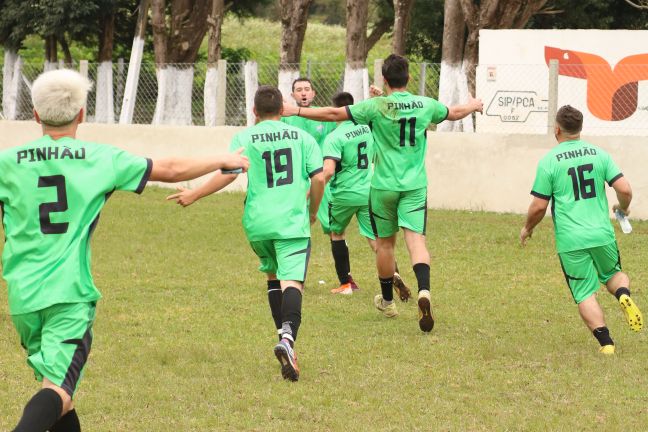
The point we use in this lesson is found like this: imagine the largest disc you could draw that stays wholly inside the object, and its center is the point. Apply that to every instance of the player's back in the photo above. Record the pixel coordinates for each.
(577, 172)
(352, 147)
(52, 192)
(399, 123)
(282, 158)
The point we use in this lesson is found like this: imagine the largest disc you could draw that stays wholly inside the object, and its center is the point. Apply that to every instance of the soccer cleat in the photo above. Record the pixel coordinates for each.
(288, 360)
(426, 321)
(354, 286)
(631, 312)
(389, 310)
(343, 289)
(403, 292)
(607, 349)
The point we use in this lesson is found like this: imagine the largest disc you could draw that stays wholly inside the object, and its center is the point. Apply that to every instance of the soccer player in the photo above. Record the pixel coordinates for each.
(573, 176)
(277, 215)
(398, 195)
(51, 193)
(348, 155)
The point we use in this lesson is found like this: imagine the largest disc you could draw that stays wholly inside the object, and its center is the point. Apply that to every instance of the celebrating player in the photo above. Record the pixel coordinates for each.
(573, 175)
(51, 192)
(348, 155)
(398, 195)
(275, 218)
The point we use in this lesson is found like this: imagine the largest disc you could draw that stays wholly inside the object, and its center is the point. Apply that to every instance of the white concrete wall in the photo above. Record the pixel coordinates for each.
(491, 172)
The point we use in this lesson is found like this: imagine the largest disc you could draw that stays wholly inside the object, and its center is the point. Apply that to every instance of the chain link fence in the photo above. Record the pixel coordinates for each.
(517, 98)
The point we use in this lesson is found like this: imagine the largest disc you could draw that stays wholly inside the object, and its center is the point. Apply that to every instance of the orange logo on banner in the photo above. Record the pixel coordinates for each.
(612, 94)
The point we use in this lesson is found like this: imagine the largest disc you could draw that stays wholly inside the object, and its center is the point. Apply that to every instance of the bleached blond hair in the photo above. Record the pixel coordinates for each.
(59, 95)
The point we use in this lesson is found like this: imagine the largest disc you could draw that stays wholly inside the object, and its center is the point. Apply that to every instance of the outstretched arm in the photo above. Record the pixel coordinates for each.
(536, 212)
(320, 114)
(175, 169)
(457, 112)
(185, 197)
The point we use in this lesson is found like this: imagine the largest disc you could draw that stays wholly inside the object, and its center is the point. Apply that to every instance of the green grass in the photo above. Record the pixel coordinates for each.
(184, 337)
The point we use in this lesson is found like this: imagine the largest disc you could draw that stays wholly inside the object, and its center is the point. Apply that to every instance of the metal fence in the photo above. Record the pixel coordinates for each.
(517, 98)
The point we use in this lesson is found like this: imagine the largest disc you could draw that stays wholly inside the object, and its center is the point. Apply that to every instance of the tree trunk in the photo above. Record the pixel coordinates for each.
(51, 53)
(402, 9)
(379, 29)
(11, 81)
(67, 55)
(175, 53)
(356, 49)
(452, 75)
(214, 22)
(104, 103)
(294, 15)
(132, 79)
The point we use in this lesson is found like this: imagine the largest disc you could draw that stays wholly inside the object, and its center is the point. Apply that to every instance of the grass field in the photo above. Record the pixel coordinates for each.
(183, 339)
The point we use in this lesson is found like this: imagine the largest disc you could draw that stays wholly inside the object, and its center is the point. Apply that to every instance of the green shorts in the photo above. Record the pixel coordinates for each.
(322, 211)
(392, 209)
(288, 259)
(338, 216)
(585, 268)
(58, 341)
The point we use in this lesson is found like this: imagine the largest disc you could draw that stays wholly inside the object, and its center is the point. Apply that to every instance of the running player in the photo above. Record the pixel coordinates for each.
(398, 196)
(276, 215)
(573, 174)
(51, 193)
(348, 155)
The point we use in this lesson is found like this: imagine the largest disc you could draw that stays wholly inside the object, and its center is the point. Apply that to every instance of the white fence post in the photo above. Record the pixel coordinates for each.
(251, 71)
(132, 80)
(553, 96)
(83, 70)
(422, 77)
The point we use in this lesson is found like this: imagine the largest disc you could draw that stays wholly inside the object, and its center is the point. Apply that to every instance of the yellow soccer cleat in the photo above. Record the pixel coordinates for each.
(607, 349)
(631, 312)
(389, 310)
(426, 321)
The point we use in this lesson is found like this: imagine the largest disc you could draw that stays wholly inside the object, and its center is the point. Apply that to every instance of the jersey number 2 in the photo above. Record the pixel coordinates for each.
(60, 205)
(279, 166)
(583, 187)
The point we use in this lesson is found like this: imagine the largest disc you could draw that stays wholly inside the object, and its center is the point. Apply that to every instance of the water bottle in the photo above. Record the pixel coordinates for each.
(624, 223)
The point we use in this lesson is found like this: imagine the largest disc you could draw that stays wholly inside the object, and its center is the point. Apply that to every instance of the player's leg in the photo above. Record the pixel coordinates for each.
(339, 218)
(264, 249)
(607, 261)
(292, 259)
(383, 213)
(58, 356)
(582, 280)
(412, 217)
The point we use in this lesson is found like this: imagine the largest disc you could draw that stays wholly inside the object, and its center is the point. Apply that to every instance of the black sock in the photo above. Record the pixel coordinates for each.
(422, 272)
(41, 412)
(68, 423)
(341, 258)
(291, 305)
(622, 290)
(602, 335)
(274, 300)
(387, 286)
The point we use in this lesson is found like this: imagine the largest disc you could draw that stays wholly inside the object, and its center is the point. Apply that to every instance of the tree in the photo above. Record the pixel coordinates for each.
(459, 53)
(356, 76)
(294, 15)
(402, 9)
(176, 48)
(104, 102)
(215, 22)
(639, 4)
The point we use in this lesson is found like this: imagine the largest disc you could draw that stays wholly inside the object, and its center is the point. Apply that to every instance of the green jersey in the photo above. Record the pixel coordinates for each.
(51, 192)
(399, 123)
(317, 129)
(282, 159)
(573, 176)
(351, 146)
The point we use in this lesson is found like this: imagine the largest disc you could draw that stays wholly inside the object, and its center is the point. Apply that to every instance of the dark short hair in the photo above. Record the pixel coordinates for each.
(342, 99)
(569, 119)
(300, 79)
(395, 69)
(268, 100)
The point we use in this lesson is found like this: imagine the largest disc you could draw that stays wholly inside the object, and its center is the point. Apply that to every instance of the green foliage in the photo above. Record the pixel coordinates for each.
(16, 22)
(184, 337)
(594, 14)
(236, 55)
